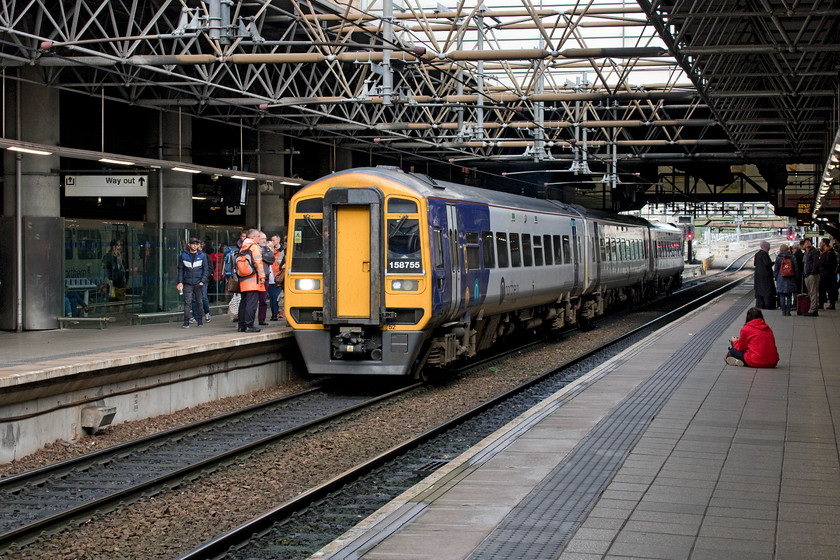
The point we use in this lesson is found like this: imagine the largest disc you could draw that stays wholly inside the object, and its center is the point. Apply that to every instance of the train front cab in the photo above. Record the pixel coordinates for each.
(349, 316)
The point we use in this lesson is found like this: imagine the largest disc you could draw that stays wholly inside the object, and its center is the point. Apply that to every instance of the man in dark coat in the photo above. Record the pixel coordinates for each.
(828, 275)
(799, 255)
(765, 291)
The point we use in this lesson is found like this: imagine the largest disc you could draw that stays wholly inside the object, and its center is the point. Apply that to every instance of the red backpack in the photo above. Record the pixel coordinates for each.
(786, 268)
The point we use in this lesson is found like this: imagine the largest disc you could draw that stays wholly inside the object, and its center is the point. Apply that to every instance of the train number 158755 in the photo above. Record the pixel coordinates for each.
(403, 265)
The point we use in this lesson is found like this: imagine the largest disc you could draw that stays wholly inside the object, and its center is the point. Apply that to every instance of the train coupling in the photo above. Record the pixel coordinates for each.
(352, 341)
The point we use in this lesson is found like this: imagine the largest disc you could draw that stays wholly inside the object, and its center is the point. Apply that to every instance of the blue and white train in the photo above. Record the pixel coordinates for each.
(388, 272)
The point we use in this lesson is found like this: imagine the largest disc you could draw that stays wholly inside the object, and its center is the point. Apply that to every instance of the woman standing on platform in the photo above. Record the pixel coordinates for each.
(785, 270)
(755, 346)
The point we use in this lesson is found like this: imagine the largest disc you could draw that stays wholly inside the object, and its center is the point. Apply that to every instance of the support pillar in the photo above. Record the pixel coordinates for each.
(177, 186)
(32, 283)
(270, 210)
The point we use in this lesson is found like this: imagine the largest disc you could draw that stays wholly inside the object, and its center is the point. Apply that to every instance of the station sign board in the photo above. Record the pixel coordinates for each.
(106, 185)
(803, 214)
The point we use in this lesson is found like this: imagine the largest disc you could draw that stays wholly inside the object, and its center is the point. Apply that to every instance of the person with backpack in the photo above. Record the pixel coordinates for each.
(250, 270)
(785, 271)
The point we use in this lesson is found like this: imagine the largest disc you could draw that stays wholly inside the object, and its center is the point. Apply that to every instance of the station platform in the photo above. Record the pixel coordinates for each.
(664, 451)
(48, 378)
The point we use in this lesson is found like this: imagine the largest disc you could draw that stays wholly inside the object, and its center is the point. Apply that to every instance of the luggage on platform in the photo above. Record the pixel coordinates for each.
(803, 304)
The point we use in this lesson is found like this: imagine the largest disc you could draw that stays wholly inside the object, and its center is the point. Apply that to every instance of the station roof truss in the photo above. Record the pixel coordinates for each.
(585, 83)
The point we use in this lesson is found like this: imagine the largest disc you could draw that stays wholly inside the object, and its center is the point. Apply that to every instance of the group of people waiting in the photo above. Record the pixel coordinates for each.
(801, 269)
(263, 288)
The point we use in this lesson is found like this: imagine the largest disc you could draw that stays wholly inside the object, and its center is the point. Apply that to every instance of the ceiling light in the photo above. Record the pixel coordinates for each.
(29, 151)
(290, 183)
(185, 170)
(243, 177)
(199, 198)
(116, 161)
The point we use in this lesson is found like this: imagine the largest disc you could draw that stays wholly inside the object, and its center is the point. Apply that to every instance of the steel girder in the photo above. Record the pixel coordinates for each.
(767, 69)
(477, 83)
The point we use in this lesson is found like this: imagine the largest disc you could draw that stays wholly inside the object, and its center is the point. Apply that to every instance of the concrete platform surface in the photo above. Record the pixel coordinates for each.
(38, 356)
(665, 451)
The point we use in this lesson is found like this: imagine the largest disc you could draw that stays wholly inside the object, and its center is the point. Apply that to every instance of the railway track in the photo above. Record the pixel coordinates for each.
(84, 488)
(303, 525)
(52, 497)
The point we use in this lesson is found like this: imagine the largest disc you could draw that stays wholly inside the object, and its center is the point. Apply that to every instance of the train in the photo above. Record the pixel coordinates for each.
(391, 273)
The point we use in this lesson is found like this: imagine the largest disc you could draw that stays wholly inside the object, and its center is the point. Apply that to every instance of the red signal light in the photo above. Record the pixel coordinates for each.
(689, 236)
(790, 236)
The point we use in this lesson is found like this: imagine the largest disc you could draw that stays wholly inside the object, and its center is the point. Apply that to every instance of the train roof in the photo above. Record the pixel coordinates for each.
(433, 188)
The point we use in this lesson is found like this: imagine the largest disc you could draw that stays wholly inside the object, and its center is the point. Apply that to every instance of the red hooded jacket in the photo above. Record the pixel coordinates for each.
(758, 344)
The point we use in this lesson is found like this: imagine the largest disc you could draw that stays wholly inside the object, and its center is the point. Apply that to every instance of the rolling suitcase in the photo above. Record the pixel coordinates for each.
(803, 304)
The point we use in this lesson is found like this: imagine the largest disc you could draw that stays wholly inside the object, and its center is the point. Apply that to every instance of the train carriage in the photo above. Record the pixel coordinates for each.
(389, 271)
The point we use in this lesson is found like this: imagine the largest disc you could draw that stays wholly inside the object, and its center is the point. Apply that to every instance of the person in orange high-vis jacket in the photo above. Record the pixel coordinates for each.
(251, 285)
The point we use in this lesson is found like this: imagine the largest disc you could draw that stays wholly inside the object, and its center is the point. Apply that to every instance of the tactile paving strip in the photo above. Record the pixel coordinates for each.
(544, 522)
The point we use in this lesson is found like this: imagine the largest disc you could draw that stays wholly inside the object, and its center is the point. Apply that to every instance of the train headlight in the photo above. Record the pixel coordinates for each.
(405, 285)
(307, 284)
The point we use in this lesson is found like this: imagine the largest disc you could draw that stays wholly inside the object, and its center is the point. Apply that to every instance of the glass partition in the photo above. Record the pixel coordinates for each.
(116, 269)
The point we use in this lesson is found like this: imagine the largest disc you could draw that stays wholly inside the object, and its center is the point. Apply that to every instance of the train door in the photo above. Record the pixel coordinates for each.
(575, 254)
(454, 257)
(353, 259)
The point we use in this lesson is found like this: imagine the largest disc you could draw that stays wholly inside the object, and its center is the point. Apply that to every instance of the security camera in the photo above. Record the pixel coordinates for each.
(215, 176)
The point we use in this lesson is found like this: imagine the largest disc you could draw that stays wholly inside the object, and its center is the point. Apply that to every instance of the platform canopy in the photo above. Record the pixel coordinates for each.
(594, 88)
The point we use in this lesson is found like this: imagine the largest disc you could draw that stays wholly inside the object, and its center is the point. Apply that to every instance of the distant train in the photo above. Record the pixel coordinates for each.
(388, 272)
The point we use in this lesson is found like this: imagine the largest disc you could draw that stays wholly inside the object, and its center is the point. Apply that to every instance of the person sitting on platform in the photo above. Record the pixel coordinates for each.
(756, 345)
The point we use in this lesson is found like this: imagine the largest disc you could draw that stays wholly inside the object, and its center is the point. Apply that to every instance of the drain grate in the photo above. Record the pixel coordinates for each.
(430, 467)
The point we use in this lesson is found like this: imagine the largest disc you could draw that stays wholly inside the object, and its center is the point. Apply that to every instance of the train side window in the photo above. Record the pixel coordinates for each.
(398, 205)
(438, 236)
(538, 251)
(502, 249)
(567, 250)
(311, 206)
(527, 254)
(558, 251)
(89, 244)
(473, 255)
(547, 251)
(487, 249)
(515, 253)
(602, 248)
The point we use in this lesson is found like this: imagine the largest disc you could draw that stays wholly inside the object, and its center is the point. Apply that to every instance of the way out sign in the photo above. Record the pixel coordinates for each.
(106, 185)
